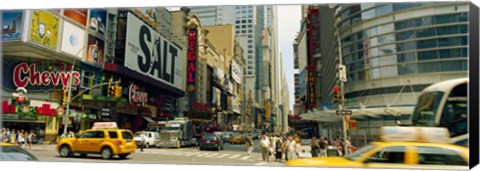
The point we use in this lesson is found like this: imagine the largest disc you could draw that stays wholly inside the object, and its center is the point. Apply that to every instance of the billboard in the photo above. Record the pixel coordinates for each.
(73, 40)
(78, 15)
(44, 29)
(151, 54)
(95, 50)
(98, 21)
(236, 72)
(11, 25)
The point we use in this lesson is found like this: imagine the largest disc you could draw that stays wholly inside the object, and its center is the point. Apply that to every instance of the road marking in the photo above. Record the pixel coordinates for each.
(214, 154)
(192, 154)
(203, 154)
(222, 156)
(246, 157)
(259, 164)
(235, 156)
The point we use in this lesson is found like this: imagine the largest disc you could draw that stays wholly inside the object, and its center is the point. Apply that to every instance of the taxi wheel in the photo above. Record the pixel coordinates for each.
(65, 151)
(106, 153)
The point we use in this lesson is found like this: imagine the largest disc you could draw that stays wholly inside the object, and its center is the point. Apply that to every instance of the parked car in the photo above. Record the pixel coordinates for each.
(12, 152)
(104, 139)
(151, 138)
(211, 141)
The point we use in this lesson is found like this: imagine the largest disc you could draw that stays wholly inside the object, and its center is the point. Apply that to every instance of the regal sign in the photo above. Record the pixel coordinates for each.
(149, 53)
(192, 58)
(24, 75)
(136, 95)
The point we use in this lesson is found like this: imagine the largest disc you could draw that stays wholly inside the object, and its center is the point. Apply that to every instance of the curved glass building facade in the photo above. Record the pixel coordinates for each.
(388, 45)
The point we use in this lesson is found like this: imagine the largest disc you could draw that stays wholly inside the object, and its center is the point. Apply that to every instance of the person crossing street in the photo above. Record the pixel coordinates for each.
(143, 138)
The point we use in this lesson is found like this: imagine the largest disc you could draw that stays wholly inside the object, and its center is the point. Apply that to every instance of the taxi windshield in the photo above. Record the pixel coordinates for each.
(357, 154)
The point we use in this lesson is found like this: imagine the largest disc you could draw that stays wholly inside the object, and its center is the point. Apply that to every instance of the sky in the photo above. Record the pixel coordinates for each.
(288, 25)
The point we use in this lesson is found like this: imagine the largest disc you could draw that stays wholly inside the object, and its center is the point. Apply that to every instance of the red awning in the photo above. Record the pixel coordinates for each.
(295, 116)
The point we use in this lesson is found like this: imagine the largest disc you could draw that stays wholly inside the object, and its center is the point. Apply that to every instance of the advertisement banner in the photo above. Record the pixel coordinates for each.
(98, 20)
(148, 15)
(237, 72)
(44, 29)
(78, 15)
(11, 25)
(151, 54)
(73, 40)
(95, 50)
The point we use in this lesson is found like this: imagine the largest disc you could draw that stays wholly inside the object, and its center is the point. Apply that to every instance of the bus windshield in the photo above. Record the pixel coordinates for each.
(426, 109)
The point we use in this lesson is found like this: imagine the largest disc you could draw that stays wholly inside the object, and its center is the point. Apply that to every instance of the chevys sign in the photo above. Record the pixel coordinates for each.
(148, 53)
(136, 96)
(24, 75)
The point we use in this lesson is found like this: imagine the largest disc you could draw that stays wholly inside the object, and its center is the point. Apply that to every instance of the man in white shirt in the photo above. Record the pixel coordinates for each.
(291, 149)
(143, 138)
(265, 146)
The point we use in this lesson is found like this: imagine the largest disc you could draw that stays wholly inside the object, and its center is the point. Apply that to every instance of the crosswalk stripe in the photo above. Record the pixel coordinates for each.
(203, 154)
(192, 154)
(259, 164)
(222, 156)
(234, 156)
(246, 157)
(212, 155)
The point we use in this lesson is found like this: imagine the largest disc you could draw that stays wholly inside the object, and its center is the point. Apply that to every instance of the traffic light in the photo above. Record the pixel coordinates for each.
(118, 91)
(336, 94)
(65, 98)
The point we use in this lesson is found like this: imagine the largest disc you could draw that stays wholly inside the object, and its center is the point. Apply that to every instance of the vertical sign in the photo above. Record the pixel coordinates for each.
(313, 43)
(192, 57)
(312, 102)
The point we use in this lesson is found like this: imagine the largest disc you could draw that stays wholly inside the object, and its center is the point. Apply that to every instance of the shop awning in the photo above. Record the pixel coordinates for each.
(149, 119)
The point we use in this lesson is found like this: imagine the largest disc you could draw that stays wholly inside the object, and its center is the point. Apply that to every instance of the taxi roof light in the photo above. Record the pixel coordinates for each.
(105, 125)
(415, 134)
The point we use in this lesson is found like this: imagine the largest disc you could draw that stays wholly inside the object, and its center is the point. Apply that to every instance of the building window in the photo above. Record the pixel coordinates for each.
(404, 24)
(453, 53)
(250, 41)
(406, 57)
(250, 21)
(447, 30)
(443, 19)
(384, 10)
(244, 26)
(427, 55)
(250, 72)
(407, 69)
(428, 67)
(424, 44)
(425, 32)
(244, 31)
(249, 30)
(453, 65)
(404, 35)
(250, 51)
(250, 36)
(244, 21)
(406, 46)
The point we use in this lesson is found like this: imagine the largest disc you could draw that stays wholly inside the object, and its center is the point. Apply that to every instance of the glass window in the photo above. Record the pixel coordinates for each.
(402, 6)
(412, 45)
(404, 35)
(87, 135)
(427, 55)
(425, 32)
(427, 108)
(463, 17)
(359, 153)
(406, 57)
(244, 26)
(463, 52)
(439, 156)
(447, 30)
(428, 67)
(450, 53)
(443, 19)
(244, 31)
(384, 10)
(407, 69)
(463, 29)
(112, 134)
(424, 21)
(250, 31)
(250, 51)
(452, 66)
(368, 14)
(404, 24)
(463, 40)
(423, 44)
(394, 154)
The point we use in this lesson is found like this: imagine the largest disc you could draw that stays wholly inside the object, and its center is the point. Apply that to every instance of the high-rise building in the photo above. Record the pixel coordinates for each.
(392, 51)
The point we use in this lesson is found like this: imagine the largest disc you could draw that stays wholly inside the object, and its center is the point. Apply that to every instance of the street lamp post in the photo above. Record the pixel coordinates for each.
(340, 64)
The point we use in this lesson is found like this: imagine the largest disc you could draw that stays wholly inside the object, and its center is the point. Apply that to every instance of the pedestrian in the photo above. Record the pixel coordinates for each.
(249, 144)
(278, 149)
(20, 138)
(350, 147)
(314, 147)
(323, 147)
(30, 139)
(264, 145)
(291, 147)
(143, 138)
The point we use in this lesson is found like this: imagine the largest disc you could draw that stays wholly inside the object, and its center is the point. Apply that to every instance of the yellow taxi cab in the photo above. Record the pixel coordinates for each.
(236, 138)
(104, 138)
(401, 148)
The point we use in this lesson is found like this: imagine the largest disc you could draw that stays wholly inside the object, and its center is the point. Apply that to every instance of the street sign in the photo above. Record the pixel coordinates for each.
(350, 100)
(344, 112)
(342, 72)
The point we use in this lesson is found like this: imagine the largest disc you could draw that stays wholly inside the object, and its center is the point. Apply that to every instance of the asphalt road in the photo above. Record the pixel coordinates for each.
(233, 154)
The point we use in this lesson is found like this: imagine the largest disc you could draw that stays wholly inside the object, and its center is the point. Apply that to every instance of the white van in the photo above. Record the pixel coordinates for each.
(152, 137)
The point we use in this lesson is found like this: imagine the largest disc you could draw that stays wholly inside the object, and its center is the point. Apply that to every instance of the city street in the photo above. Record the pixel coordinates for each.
(233, 154)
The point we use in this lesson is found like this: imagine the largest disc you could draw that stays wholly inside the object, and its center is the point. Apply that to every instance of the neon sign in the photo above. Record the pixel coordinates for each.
(192, 57)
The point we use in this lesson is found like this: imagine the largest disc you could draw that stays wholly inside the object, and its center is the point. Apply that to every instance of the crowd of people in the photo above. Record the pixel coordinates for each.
(22, 137)
(284, 148)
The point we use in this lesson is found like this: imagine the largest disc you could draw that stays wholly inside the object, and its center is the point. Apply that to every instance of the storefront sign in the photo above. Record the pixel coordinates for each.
(312, 101)
(192, 58)
(11, 25)
(25, 75)
(137, 95)
(149, 53)
(44, 28)
(236, 72)
(45, 109)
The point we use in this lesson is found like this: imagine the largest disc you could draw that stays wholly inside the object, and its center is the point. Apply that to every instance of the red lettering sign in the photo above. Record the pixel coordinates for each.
(45, 109)
(192, 56)
(136, 96)
(24, 75)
